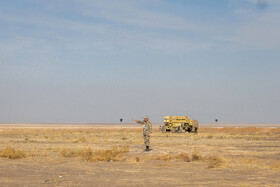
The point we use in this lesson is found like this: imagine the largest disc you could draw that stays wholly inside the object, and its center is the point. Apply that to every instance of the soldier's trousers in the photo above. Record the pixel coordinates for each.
(146, 139)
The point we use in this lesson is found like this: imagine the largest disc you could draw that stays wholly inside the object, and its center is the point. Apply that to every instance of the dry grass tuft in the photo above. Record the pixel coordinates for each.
(180, 157)
(79, 140)
(275, 165)
(11, 153)
(69, 153)
(210, 136)
(183, 157)
(196, 157)
(109, 155)
(165, 157)
(86, 154)
(215, 162)
(114, 154)
(28, 140)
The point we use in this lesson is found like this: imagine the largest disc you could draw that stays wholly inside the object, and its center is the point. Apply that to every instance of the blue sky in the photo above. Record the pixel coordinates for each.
(98, 61)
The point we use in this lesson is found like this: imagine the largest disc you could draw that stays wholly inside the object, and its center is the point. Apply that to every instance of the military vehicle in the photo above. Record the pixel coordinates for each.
(179, 124)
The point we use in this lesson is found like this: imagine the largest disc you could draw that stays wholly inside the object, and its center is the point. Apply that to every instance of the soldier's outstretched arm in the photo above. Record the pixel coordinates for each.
(138, 121)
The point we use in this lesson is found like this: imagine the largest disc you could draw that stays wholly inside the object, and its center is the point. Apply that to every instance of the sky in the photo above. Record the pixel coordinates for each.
(95, 61)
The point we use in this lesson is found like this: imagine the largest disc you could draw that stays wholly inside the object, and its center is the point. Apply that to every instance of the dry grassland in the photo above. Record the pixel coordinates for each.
(114, 156)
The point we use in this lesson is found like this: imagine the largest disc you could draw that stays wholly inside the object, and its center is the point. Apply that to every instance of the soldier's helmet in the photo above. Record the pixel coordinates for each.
(146, 118)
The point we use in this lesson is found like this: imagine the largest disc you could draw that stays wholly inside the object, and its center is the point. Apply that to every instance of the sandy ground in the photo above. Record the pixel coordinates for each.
(77, 125)
(74, 173)
(127, 125)
(228, 156)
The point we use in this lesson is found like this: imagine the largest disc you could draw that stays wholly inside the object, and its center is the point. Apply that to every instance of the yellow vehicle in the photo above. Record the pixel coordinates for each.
(179, 124)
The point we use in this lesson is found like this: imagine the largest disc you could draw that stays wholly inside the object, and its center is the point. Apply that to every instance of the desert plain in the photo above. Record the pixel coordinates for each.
(113, 155)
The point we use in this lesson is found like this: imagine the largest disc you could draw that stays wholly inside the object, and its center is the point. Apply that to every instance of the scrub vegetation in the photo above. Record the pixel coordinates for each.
(242, 150)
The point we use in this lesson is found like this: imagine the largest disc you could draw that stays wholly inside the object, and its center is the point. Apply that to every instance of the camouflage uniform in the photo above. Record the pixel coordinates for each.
(147, 129)
(195, 126)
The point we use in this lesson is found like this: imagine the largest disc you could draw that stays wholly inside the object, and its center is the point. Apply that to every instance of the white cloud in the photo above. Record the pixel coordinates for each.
(48, 21)
(118, 36)
(119, 27)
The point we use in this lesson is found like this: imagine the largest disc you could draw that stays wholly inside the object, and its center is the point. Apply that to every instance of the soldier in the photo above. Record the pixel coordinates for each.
(147, 130)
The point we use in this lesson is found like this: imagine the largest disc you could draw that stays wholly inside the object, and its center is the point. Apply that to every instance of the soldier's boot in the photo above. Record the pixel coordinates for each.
(147, 148)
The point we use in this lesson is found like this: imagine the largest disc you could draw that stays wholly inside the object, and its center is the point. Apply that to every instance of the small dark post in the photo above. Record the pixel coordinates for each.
(121, 120)
(216, 120)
